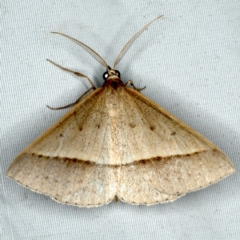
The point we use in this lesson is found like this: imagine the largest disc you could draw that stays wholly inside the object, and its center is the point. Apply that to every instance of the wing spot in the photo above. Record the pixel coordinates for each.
(173, 133)
(152, 128)
(98, 126)
(132, 125)
(80, 129)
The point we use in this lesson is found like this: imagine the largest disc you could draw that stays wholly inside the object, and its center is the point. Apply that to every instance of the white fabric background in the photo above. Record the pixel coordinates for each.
(189, 61)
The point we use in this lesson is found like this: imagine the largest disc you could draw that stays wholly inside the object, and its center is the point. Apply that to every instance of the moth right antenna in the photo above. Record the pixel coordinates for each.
(130, 42)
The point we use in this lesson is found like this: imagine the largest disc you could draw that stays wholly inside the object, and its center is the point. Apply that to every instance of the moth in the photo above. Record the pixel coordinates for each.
(117, 143)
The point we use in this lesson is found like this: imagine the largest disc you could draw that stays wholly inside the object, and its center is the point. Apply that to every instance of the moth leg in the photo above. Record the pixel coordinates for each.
(76, 73)
(130, 82)
(72, 104)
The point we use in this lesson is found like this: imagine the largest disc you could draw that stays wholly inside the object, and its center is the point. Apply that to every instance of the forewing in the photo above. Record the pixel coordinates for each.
(169, 159)
(64, 161)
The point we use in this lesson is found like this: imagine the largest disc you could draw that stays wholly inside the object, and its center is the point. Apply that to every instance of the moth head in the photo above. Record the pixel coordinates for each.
(111, 74)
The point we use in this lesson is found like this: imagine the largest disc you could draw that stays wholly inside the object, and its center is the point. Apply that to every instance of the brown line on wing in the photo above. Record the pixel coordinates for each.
(165, 159)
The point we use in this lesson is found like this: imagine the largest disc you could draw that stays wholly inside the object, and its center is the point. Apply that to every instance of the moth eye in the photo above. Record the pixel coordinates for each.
(117, 73)
(105, 76)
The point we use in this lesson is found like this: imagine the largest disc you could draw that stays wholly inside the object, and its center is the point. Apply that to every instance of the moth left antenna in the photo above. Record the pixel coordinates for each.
(130, 42)
(94, 54)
